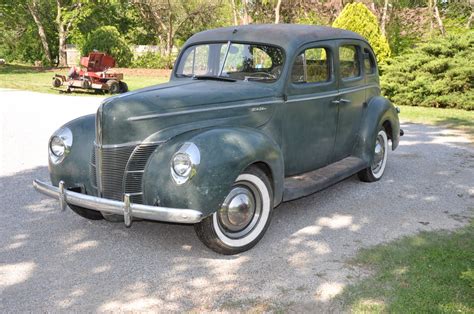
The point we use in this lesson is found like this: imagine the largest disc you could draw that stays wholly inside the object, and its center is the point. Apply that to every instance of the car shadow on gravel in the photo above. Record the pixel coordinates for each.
(52, 260)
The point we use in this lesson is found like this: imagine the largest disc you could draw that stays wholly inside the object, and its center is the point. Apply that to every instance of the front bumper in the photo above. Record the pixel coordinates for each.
(126, 209)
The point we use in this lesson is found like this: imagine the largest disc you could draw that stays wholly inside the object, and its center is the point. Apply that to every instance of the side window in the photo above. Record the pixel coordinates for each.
(369, 62)
(349, 61)
(195, 63)
(311, 66)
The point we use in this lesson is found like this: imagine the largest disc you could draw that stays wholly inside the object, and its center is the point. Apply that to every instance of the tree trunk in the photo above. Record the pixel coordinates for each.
(430, 6)
(384, 18)
(234, 12)
(469, 21)
(438, 18)
(277, 12)
(32, 7)
(246, 18)
(62, 62)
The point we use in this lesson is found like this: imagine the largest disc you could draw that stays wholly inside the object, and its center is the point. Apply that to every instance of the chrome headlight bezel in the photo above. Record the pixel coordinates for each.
(190, 154)
(64, 137)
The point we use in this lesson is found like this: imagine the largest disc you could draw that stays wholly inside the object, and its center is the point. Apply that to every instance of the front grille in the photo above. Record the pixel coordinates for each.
(119, 170)
(134, 171)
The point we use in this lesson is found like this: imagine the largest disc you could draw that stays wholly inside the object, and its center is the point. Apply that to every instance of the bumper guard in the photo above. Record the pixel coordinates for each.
(126, 209)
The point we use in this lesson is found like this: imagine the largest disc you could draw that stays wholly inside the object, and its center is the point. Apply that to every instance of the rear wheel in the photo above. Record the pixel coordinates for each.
(86, 213)
(114, 86)
(123, 87)
(244, 217)
(57, 82)
(376, 170)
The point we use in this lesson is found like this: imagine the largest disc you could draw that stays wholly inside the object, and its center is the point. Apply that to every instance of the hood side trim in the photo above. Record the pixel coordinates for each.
(177, 113)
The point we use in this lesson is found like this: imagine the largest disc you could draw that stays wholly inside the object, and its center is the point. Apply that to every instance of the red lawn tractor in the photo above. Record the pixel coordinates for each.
(94, 77)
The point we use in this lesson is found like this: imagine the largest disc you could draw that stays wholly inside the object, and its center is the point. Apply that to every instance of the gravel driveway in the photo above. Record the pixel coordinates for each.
(54, 261)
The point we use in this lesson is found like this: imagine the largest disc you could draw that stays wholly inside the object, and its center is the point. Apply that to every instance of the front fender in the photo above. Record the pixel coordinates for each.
(378, 112)
(74, 169)
(225, 153)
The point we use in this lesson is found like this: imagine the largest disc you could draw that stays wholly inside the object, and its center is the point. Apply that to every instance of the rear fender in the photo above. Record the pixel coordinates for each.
(224, 154)
(379, 111)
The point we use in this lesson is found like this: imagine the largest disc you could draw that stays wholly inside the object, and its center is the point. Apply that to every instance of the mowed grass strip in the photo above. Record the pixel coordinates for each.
(432, 272)
(39, 79)
(462, 120)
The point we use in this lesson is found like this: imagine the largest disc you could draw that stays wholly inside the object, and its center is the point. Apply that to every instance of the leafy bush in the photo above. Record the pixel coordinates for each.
(357, 17)
(108, 39)
(435, 74)
(151, 60)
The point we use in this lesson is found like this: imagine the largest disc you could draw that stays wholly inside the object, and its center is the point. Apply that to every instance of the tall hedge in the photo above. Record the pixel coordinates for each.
(108, 39)
(435, 74)
(357, 17)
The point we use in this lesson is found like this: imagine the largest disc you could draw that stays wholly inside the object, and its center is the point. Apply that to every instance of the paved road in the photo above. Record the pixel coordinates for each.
(53, 261)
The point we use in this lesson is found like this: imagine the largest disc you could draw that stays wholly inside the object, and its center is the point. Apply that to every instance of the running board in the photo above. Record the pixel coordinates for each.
(317, 180)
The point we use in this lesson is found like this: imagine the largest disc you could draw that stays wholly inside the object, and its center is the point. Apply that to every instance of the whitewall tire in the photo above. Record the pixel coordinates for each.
(376, 170)
(243, 217)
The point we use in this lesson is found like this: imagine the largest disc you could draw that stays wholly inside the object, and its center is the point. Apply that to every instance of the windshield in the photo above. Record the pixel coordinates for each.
(232, 61)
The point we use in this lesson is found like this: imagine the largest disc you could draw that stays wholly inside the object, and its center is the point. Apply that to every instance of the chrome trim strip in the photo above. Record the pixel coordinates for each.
(156, 213)
(176, 113)
(134, 171)
(338, 93)
(128, 144)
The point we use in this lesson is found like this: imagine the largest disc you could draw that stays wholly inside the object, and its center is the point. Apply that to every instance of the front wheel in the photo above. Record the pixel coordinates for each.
(243, 218)
(375, 171)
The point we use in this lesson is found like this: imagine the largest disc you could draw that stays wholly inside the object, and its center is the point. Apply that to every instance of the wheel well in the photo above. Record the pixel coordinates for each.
(266, 169)
(388, 128)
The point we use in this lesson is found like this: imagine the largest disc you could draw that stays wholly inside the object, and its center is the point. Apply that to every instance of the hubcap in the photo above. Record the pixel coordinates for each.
(379, 154)
(240, 211)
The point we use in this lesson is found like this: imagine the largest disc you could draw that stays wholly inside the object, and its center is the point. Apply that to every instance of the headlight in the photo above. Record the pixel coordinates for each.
(60, 145)
(57, 146)
(185, 162)
(182, 164)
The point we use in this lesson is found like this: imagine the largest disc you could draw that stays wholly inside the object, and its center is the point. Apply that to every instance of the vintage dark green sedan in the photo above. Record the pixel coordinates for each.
(253, 116)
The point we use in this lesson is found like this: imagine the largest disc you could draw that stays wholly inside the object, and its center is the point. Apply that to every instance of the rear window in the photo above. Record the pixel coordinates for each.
(349, 61)
(369, 62)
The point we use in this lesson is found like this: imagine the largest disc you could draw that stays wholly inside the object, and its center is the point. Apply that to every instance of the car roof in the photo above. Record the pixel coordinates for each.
(287, 36)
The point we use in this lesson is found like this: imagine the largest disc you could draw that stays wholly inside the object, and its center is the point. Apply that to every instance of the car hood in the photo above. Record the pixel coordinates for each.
(183, 105)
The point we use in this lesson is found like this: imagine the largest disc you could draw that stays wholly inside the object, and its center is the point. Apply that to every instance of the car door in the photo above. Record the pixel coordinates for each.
(351, 100)
(309, 126)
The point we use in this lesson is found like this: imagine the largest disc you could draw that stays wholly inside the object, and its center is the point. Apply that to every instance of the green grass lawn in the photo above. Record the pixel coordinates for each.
(432, 272)
(452, 118)
(39, 80)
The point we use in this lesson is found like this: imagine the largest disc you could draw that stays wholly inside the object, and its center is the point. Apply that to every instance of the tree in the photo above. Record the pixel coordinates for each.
(33, 9)
(357, 17)
(66, 13)
(168, 17)
(433, 5)
(383, 22)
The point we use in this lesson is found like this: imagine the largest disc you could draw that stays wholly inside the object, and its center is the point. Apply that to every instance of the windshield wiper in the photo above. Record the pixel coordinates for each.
(211, 77)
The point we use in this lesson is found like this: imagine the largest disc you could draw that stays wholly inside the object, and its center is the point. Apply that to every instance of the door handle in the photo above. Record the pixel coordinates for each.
(344, 101)
(341, 101)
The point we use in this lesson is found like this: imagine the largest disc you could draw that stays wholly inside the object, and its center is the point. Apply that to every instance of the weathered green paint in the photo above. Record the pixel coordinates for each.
(74, 170)
(225, 153)
(292, 128)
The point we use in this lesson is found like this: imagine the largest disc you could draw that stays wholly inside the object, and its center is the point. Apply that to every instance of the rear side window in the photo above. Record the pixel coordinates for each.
(311, 66)
(349, 61)
(369, 62)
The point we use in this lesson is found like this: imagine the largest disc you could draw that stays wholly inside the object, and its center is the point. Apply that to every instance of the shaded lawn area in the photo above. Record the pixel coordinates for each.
(451, 118)
(39, 79)
(432, 272)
